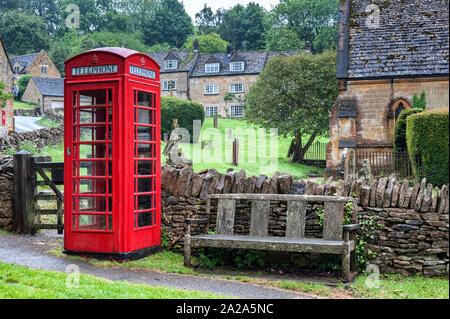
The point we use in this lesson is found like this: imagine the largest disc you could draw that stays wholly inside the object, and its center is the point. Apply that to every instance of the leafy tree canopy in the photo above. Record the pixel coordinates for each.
(208, 43)
(309, 20)
(23, 33)
(169, 23)
(295, 94)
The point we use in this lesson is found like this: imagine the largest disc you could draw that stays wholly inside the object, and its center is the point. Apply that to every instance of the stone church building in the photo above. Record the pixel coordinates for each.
(7, 76)
(387, 51)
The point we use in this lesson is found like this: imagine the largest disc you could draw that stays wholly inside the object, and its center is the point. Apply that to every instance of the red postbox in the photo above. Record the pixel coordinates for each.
(112, 139)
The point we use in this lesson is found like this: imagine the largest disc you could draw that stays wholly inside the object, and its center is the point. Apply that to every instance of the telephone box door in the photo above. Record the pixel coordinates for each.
(89, 147)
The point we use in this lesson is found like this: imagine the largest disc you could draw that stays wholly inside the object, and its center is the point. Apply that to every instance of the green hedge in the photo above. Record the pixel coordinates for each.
(428, 144)
(183, 110)
(400, 130)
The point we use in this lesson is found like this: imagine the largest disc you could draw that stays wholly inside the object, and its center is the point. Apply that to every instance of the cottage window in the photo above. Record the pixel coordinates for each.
(168, 85)
(236, 66)
(16, 69)
(211, 89)
(211, 67)
(170, 64)
(236, 88)
(44, 69)
(211, 111)
(237, 111)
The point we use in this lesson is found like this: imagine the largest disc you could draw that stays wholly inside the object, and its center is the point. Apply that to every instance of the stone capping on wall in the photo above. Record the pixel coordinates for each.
(40, 138)
(385, 192)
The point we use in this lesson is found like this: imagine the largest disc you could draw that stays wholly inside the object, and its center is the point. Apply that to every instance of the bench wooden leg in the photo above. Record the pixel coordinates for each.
(346, 264)
(187, 250)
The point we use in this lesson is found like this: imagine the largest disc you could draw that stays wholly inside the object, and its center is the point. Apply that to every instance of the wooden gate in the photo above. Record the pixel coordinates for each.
(38, 202)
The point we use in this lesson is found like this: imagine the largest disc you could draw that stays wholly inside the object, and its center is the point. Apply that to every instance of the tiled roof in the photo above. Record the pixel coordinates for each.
(23, 60)
(185, 59)
(254, 63)
(412, 39)
(50, 86)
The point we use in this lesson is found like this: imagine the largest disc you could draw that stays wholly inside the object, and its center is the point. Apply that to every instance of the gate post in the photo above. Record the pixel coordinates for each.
(24, 186)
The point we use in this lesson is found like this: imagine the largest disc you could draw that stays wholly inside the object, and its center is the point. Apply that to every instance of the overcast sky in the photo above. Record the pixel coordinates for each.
(194, 6)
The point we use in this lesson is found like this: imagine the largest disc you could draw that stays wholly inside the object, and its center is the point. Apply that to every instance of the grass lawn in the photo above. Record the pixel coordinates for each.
(281, 163)
(392, 286)
(45, 121)
(250, 158)
(21, 282)
(18, 105)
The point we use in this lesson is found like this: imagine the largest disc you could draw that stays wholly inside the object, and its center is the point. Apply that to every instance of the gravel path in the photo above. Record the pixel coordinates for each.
(33, 252)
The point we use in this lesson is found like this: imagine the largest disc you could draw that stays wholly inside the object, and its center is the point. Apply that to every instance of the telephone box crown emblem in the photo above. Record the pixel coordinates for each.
(142, 61)
(94, 59)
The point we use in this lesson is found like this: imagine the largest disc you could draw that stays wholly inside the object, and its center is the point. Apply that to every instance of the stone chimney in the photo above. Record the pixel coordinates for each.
(196, 46)
(229, 50)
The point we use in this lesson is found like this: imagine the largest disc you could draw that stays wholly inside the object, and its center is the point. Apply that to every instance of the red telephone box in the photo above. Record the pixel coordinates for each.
(112, 139)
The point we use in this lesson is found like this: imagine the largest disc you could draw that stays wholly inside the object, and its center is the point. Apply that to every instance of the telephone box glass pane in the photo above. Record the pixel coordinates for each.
(145, 99)
(145, 219)
(92, 204)
(93, 97)
(93, 115)
(92, 222)
(93, 133)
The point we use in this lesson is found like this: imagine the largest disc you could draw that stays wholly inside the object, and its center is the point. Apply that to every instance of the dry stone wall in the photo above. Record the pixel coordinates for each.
(40, 138)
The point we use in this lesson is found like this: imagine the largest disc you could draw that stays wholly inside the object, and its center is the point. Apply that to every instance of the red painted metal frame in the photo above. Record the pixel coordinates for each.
(124, 238)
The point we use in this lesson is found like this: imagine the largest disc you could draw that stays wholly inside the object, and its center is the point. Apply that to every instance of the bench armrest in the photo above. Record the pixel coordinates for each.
(197, 221)
(351, 227)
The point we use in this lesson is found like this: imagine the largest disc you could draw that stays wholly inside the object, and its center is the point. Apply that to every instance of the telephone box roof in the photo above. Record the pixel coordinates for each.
(120, 52)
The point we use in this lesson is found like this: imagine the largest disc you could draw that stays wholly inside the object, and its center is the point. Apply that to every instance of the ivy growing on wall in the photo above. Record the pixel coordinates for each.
(4, 96)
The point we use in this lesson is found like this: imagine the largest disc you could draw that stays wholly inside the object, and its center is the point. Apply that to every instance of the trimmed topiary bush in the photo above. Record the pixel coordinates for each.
(183, 110)
(400, 130)
(427, 136)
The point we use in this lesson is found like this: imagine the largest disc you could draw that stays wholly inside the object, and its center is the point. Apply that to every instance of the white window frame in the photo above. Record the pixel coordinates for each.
(211, 110)
(236, 111)
(212, 67)
(166, 87)
(211, 89)
(44, 67)
(170, 64)
(16, 69)
(233, 87)
(236, 66)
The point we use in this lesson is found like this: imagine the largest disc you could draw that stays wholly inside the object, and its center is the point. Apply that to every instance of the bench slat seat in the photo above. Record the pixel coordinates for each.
(311, 245)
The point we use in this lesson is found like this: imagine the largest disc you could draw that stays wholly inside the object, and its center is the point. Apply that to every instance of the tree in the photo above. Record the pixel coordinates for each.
(295, 94)
(206, 20)
(283, 39)
(310, 20)
(243, 27)
(419, 103)
(23, 33)
(169, 23)
(208, 43)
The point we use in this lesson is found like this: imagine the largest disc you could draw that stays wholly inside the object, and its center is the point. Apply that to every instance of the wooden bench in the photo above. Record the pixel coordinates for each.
(337, 238)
